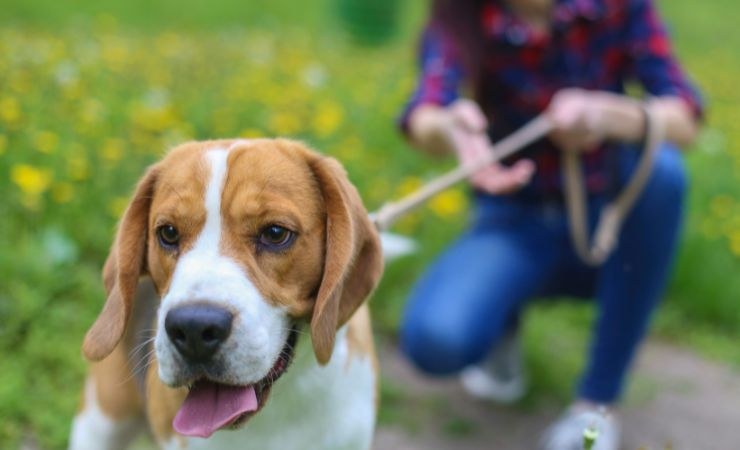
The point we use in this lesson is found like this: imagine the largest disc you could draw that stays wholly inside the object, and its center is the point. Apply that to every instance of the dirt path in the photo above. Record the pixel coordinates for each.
(692, 404)
(689, 404)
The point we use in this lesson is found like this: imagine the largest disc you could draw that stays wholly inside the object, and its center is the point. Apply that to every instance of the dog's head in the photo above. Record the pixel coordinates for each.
(243, 241)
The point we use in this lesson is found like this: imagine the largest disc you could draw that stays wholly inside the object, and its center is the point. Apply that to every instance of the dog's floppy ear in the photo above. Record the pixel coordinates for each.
(353, 262)
(125, 264)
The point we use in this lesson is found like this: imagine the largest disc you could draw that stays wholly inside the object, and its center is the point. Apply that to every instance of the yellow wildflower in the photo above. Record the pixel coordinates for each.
(45, 141)
(269, 94)
(32, 181)
(408, 224)
(284, 124)
(57, 49)
(156, 118)
(62, 192)
(10, 111)
(328, 118)
(449, 203)
(349, 149)
(251, 133)
(721, 205)
(78, 168)
(117, 206)
(709, 228)
(115, 53)
(112, 150)
(735, 243)
(409, 185)
(159, 75)
(21, 84)
(169, 44)
(92, 112)
(72, 91)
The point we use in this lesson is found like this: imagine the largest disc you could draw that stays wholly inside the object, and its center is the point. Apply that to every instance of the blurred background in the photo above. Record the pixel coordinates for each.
(93, 91)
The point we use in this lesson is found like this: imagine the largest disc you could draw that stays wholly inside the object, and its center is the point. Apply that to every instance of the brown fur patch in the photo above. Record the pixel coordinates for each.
(270, 183)
(115, 387)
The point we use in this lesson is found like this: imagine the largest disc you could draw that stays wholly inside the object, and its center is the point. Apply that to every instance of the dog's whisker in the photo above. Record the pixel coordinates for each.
(133, 353)
(143, 344)
(297, 330)
(142, 365)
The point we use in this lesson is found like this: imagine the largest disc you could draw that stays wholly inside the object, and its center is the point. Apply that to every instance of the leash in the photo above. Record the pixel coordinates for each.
(529, 133)
(612, 215)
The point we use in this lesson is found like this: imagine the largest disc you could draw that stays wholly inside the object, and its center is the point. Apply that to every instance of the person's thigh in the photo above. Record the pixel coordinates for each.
(465, 300)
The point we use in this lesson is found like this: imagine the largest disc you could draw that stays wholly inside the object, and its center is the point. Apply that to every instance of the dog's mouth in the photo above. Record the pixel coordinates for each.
(211, 406)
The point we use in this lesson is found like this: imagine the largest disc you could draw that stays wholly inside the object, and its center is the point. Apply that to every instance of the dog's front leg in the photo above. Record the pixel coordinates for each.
(110, 415)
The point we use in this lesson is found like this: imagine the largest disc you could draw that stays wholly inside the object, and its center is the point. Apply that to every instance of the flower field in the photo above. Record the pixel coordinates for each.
(85, 106)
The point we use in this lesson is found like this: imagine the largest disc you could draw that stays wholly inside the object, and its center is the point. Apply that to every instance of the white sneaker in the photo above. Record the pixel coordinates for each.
(500, 377)
(568, 432)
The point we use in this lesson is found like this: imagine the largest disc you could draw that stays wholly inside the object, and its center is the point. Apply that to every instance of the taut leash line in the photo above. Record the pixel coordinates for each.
(529, 133)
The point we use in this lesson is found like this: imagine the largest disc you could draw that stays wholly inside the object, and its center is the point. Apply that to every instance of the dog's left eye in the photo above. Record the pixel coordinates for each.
(276, 237)
(168, 236)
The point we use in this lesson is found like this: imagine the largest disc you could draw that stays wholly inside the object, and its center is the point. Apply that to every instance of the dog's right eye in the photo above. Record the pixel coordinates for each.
(168, 236)
(275, 238)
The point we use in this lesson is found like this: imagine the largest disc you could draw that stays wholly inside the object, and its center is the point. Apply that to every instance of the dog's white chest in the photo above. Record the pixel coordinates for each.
(310, 408)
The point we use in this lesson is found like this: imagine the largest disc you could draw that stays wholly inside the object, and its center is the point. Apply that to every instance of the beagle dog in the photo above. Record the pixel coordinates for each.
(235, 315)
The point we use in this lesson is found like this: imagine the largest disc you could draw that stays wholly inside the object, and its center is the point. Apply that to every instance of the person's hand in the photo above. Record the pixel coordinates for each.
(579, 119)
(465, 129)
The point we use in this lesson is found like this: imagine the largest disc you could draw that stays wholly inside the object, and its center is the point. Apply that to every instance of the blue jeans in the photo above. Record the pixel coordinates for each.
(517, 250)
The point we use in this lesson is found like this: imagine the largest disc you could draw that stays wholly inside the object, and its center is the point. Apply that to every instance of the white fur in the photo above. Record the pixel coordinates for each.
(203, 274)
(311, 407)
(93, 430)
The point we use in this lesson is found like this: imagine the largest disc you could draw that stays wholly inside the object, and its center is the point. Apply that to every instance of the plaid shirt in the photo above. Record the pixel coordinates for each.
(592, 44)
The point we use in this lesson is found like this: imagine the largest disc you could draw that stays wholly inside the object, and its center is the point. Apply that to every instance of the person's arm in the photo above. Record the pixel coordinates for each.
(655, 66)
(441, 75)
(438, 122)
(584, 118)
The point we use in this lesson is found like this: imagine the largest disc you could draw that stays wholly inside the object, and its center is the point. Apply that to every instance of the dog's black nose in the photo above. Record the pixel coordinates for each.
(198, 330)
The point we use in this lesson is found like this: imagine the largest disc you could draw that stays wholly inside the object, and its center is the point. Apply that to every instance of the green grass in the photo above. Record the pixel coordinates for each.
(92, 92)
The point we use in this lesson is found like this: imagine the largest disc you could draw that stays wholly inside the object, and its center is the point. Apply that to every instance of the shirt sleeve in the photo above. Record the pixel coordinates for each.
(441, 73)
(654, 63)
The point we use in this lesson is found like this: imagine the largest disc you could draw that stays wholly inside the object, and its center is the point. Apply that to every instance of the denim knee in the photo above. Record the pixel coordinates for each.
(438, 348)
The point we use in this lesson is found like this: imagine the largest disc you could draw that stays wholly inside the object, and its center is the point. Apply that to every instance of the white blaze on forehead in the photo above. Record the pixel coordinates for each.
(210, 237)
(204, 274)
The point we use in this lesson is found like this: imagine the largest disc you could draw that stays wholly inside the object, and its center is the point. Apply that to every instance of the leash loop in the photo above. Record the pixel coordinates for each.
(606, 235)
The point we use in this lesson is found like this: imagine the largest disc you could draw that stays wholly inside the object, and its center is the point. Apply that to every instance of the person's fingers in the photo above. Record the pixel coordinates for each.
(471, 148)
(501, 180)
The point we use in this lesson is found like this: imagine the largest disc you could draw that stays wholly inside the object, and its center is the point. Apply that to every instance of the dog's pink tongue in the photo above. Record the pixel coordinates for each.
(209, 406)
